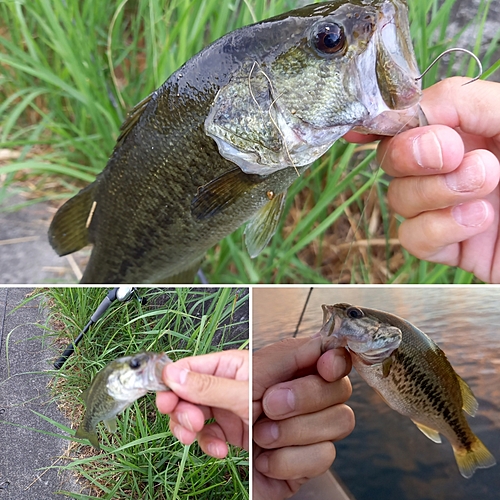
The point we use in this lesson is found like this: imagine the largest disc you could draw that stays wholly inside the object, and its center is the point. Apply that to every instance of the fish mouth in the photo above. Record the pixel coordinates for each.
(392, 98)
(330, 329)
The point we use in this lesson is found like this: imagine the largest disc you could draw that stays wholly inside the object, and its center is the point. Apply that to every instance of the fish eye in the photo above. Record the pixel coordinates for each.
(134, 363)
(354, 312)
(329, 39)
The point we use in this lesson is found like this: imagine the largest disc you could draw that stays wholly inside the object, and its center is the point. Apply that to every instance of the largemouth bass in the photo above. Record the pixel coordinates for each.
(116, 387)
(220, 142)
(412, 374)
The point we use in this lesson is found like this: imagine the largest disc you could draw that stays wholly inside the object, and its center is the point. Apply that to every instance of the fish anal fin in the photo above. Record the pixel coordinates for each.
(263, 225)
(220, 193)
(432, 434)
(132, 118)
(81, 433)
(478, 457)
(386, 366)
(68, 230)
(110, 424)
(470, 404)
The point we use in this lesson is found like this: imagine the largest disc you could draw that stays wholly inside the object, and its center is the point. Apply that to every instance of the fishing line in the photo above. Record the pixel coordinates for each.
(480, 72)
(302, 313)
(271, 118)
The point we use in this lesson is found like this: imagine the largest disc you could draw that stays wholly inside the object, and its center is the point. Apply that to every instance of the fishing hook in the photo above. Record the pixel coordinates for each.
(455, 49)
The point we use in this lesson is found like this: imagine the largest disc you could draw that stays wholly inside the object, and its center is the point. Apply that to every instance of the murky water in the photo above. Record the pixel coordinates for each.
(387, 457)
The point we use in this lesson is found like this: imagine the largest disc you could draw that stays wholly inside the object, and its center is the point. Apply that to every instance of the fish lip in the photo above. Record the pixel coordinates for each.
(392, 98)
(329, 330)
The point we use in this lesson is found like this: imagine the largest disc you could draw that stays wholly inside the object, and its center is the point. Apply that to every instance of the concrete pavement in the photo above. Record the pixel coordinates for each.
(26, 354)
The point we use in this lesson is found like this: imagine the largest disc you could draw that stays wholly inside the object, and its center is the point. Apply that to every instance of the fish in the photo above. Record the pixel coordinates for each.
(221, 141)
(411, 373)
(116, 387)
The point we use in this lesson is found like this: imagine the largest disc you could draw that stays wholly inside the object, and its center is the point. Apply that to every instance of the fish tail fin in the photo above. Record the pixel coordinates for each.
(90, 435)
(68, 230)
(477, 457)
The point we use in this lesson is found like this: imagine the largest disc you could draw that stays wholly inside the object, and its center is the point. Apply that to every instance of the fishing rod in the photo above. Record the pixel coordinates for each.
(302, 313)
(122, 294)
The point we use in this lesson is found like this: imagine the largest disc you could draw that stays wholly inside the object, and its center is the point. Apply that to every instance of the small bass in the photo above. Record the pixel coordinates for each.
(116, 387)
(412, 374)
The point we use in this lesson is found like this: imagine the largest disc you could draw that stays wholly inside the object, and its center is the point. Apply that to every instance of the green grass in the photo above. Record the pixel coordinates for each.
(70, 71)
(143, 460)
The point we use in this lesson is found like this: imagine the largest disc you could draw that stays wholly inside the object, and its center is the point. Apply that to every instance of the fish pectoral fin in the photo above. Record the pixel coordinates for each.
(263, 225)
(221, 193)
(110, 424)
(386, 366)
(81, 433)
(68, 230)
(469, 402)
(477, 457)
(432, 434)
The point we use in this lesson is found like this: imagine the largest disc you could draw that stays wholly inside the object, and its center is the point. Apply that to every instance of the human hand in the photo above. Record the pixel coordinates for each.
(447, 175)
(203, 387)
(297, 413)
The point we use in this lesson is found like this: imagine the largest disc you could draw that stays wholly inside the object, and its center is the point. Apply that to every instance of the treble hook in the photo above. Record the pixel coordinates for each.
(455, 49)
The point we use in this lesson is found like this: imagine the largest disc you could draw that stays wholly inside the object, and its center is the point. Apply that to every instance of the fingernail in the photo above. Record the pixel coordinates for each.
(184, 421)
(213, 450)
(176, 374)
(268, 432)
(262, 464)
(468, 178)
(279, 402)
(470, 214)
(177, 432)
(427, 151)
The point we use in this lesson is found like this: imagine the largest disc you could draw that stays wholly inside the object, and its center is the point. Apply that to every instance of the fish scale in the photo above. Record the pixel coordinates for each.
(411, 373)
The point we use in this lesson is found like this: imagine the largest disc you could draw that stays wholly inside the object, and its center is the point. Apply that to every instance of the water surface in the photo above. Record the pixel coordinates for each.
(387, 457)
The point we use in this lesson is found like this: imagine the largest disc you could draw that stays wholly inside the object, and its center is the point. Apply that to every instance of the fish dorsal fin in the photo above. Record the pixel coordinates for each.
(263, 225)
(470, 404)
(68, 230)
(221, 193)
(432, 434)
(132, 118)
(110, 424)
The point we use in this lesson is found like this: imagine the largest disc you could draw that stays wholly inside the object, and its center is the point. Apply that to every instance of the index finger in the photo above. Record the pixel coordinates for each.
(232, 364)
(280, 361)
(472, 107)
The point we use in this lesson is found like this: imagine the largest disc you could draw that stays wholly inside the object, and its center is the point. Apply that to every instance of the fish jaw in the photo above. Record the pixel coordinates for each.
(392, 99)
(372, 341)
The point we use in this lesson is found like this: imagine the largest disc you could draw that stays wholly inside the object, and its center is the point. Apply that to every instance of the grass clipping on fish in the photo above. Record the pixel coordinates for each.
(412, 374)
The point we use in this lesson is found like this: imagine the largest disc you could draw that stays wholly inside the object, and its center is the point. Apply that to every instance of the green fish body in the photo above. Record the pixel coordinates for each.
(116, 387)
(220, 142)
(412, 374)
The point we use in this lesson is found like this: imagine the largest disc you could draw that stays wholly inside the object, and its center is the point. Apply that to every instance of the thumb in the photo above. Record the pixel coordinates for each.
(203, 389)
